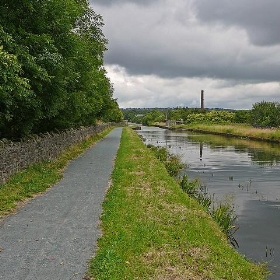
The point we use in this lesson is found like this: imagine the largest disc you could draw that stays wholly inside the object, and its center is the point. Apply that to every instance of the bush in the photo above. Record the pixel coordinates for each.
(212, 117)
(266, 114)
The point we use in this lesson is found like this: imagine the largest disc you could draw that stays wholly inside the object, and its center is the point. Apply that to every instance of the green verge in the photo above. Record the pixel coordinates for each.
(39, 177)
(153, 230)
(242, 130)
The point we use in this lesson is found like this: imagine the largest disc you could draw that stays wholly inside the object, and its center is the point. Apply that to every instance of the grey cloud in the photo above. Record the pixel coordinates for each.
(167, 41)
(258, 17)
(138, 60)
(165, 68)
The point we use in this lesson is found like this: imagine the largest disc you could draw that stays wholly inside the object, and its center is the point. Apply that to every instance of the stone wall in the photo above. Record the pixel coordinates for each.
(16, 156)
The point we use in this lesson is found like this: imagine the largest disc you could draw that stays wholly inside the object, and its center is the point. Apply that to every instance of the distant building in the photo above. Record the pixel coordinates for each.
(202, 100)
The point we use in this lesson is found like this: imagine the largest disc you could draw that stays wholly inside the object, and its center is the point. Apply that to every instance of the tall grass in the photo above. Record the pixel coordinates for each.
(241, 130)
(171, 162)
(221, 211)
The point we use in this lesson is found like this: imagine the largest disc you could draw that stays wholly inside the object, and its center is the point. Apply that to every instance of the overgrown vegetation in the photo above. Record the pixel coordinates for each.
(245, 131)
(266, 114)
(222, 211)
(187, 116)
(171, 162)
(37, 178)
(51, 67)
(152, 230)
(263, 114)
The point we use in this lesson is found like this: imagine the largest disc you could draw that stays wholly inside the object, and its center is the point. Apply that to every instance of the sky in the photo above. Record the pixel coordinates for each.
(162, 53)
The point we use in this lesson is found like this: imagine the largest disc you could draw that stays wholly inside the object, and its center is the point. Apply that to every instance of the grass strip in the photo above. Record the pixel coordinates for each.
(241, 130)
(39, 177)
(153, 230)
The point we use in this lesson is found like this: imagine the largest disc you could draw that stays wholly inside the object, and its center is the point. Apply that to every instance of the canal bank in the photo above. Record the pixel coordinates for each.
(243, 131)
(245, 172)
(153, 230)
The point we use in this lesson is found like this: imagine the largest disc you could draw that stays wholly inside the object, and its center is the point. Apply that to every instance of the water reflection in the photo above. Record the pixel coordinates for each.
(262, 153)
(247, 172)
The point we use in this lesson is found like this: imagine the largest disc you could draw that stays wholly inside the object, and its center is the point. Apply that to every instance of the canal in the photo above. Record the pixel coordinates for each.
(244, 172)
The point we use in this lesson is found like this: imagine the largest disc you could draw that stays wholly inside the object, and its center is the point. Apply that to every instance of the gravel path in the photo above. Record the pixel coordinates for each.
(54, 236)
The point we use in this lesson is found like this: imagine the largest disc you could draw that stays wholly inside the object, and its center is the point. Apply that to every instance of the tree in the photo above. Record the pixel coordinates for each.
(17, 100)
(56, 49)
(266, 114)
(153, 117)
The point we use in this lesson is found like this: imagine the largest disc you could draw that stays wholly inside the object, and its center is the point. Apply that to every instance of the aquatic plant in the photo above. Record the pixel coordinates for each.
(222, 212)
(196, 190)
(173, 163)
(225, 216)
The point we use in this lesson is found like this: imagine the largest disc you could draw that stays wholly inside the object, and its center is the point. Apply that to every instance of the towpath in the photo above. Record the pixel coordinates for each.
(54, 235)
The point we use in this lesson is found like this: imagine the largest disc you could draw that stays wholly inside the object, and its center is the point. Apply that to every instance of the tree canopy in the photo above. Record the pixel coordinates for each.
(266, 114)
(51, 67)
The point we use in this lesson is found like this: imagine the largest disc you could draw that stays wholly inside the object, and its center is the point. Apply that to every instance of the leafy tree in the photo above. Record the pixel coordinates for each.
(266, 114)
(242, 116)
(54, 50)
(17, 100)
(153, 117)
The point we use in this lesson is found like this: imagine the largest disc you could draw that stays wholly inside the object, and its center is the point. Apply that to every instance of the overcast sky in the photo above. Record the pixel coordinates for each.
(162, 53)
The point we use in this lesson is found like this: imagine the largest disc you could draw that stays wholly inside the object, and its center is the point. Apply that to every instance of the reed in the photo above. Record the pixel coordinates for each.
(171, 161)
(240, 130)
(222, 211)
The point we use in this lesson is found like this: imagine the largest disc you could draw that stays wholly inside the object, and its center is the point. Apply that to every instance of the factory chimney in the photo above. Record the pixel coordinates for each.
(202, 100)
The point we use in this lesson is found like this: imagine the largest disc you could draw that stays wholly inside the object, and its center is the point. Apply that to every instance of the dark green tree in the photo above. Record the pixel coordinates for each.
(266, 114)
(153, 117)
(52, 73)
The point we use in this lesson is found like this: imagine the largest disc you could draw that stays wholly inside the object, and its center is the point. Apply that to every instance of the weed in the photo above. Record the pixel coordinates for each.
(221, 212)
(172, 162)
(224, 215)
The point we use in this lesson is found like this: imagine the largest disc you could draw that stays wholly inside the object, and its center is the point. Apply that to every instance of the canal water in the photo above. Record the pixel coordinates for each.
(244, 172)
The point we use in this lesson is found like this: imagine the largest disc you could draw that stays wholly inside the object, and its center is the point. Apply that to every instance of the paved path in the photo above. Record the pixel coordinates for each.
(54, 235)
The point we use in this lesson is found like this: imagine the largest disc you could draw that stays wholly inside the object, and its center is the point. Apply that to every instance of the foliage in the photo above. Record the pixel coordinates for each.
(52, 73)
(186, 115)
(172, 162)
(242, 116)
(195, 190)
(16, 97)
(266, 114)
(222, 212)
(152, 117)
(213, 117)
(225, 216)
(263, 114)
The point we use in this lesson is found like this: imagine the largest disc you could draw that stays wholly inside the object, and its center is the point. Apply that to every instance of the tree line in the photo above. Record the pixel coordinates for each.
(263, 114)
(51, 67)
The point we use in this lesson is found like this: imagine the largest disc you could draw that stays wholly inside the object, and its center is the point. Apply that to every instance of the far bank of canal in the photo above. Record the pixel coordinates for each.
(246, 172)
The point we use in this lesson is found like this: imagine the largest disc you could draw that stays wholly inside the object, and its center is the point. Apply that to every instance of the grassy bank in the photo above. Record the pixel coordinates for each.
(39, 177)
(240, 130)
(153, 230)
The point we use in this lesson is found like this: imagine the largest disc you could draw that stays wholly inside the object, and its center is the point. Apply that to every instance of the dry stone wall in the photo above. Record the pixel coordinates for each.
(16, 156)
